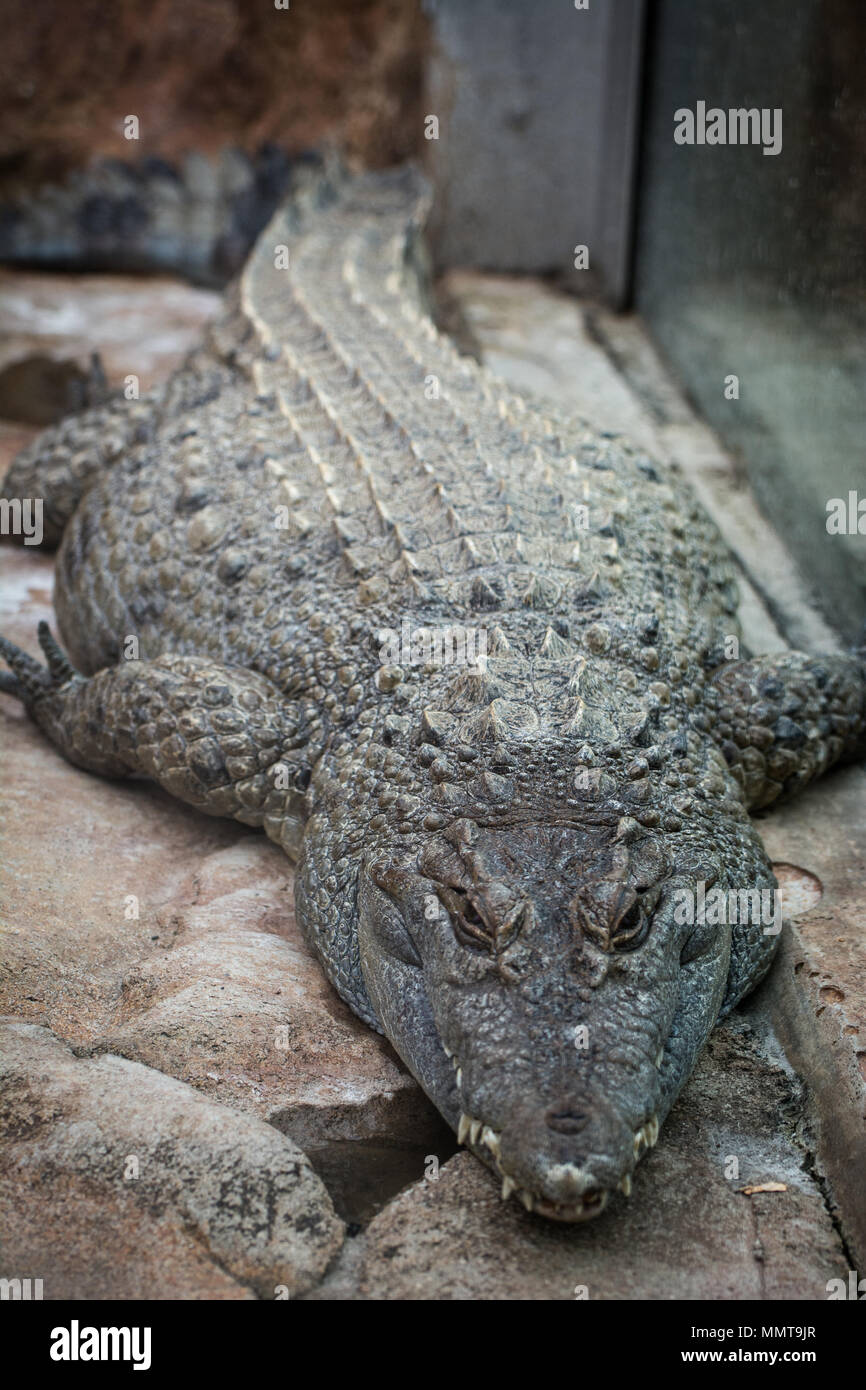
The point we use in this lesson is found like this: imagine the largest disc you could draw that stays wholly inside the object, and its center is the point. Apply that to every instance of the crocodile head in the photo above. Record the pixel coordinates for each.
(537, 982)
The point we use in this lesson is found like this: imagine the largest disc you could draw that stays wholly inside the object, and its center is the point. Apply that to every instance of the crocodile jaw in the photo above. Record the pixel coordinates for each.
(587, 1199)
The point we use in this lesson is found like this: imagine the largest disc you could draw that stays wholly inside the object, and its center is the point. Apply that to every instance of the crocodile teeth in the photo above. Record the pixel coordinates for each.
(472, 1131)
(625, 1185)
(459, 1076)
(646, 1136)
(491, 1139)
(447, 1052)
(659, 1056)
(580, 1210)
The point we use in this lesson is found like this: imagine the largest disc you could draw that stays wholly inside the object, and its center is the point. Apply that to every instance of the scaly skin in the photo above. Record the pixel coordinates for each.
(487, 857)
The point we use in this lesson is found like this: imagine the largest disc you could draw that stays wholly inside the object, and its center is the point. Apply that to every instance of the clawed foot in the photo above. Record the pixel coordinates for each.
(28, 680)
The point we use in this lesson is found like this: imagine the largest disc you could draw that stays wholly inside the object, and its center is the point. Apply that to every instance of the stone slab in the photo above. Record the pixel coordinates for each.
(118, 1182)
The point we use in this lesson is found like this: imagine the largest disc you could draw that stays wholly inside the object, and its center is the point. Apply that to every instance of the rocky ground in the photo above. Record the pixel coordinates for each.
(188, 1109)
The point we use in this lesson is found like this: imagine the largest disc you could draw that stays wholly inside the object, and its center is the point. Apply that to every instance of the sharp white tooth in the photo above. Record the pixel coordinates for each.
(526, 1198)
(447, 1051)
(491, 1139)
(653, 1131)
(508, 1186)
(625, 1185)
(459, 1076)
(463, 1129)
(660, 1055)
(475, 1131)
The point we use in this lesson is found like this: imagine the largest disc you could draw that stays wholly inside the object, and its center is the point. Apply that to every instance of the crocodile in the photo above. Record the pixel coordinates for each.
(468, 661)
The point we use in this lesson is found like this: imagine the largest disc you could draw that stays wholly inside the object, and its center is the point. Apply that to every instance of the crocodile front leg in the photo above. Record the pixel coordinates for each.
(783, 720)
(220, 738)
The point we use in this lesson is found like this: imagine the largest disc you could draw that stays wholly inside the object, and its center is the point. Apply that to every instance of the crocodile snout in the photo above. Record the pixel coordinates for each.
(562, 1159)
(569, 1152)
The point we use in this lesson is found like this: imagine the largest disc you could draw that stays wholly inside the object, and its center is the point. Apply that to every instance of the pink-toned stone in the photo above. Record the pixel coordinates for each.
(118, 1182)
(138, 326)
(818, 988)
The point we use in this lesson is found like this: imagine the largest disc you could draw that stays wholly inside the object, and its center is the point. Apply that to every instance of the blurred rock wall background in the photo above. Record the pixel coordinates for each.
(203, 75)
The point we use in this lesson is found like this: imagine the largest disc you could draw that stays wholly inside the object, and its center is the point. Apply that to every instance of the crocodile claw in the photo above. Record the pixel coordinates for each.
(27, 679)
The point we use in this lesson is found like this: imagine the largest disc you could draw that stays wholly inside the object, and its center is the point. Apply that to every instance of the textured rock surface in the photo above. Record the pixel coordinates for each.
(190, 1199)
(137, 326)
(224, 96)
(818, 993)
(206, 75)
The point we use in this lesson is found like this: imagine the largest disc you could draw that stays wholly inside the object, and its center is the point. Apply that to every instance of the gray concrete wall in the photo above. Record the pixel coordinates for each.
(756, 266)
(537, 106)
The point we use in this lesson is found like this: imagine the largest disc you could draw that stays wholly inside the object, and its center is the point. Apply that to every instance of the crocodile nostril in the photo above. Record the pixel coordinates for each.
(566, 1120)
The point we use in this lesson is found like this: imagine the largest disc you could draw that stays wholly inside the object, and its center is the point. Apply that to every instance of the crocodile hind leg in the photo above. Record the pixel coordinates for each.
(58, 467)
(783, 720)
(64, 460)
(220, 738)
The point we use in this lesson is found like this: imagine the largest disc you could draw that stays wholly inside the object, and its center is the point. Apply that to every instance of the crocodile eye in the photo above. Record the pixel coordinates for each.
(469, 927)
(631, 929)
